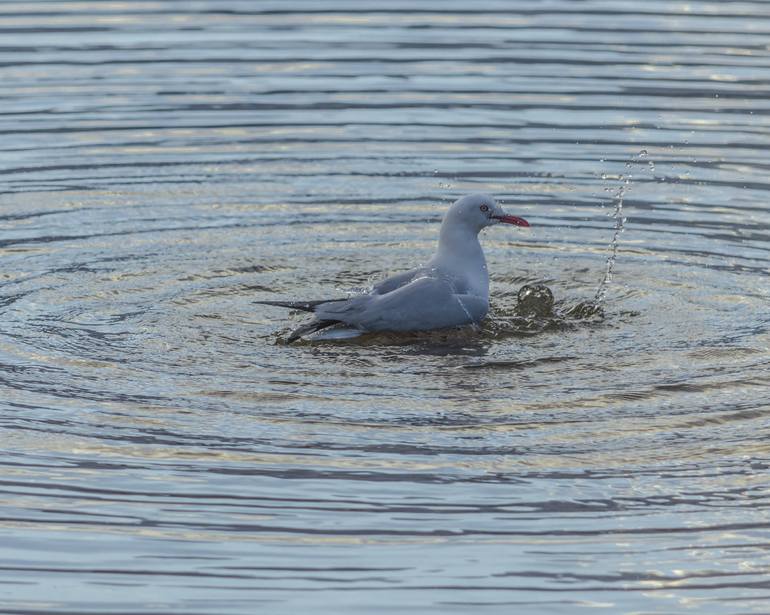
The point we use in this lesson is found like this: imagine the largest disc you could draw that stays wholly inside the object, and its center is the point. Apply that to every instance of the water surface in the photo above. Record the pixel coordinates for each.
(166, 164)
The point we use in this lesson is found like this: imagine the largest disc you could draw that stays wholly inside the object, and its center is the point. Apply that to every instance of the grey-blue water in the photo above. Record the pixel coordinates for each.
(165, 164)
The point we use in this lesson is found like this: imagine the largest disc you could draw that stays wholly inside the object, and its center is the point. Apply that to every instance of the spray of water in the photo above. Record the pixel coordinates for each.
(617, 214)
(457, 295)
(618, 195)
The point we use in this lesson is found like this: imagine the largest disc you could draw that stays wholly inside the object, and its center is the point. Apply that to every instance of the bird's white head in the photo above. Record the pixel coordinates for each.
(477, 211)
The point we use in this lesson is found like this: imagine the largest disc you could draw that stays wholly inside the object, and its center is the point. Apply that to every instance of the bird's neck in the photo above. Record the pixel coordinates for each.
(459, 242)
(460, 256)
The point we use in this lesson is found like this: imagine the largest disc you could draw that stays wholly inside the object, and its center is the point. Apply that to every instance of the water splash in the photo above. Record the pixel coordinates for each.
(617, 214)
(472, 321)
(618, 195)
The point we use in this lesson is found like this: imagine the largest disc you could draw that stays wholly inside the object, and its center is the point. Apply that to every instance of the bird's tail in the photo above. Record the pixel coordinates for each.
(309, 327)
(306, 306)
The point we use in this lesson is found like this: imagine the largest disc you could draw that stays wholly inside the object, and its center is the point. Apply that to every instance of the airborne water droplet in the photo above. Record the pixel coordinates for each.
(620, 221)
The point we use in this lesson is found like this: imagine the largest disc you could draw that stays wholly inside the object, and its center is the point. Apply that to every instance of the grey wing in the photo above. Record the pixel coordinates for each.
(397, 281)
(420, 305)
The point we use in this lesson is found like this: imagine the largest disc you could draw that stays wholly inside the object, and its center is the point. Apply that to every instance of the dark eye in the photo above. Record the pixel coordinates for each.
(484, 208)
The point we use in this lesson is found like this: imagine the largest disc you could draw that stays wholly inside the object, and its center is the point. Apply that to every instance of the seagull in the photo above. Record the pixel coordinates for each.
(450, 290)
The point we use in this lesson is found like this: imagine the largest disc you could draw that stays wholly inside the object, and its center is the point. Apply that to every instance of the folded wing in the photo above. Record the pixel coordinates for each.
(421, 304)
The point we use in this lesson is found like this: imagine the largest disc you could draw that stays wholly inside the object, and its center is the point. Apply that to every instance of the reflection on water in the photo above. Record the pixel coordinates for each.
(166, 165)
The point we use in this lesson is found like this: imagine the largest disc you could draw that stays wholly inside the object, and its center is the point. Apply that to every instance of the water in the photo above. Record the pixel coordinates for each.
(166, 164)
(619, 194)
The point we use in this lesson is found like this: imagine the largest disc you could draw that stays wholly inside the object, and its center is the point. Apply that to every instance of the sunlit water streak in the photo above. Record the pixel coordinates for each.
(166, 164)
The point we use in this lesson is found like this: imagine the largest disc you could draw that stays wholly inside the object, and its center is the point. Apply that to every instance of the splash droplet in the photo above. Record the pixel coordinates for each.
(620, 221)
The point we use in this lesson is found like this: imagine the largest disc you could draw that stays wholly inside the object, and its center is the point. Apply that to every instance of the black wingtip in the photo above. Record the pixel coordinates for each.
(305, 306)
(310, 327)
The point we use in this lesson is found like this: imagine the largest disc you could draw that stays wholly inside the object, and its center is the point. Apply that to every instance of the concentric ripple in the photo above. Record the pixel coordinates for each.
(167, 164)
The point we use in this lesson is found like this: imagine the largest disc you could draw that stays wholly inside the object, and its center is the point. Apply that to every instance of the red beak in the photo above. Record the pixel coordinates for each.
(512, 220)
